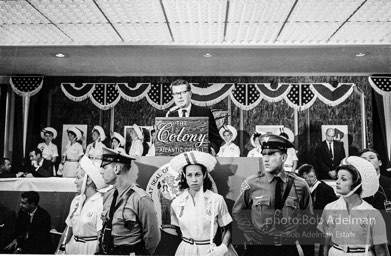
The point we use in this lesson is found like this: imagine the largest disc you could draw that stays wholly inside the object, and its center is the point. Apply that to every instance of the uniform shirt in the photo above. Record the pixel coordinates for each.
(134, 220)
(255, 152)
(48, 151)
(74, 151)
(137, 148)
(95, 152)
(257, 195)
(291, 152)
(230, 150)
(351, 229)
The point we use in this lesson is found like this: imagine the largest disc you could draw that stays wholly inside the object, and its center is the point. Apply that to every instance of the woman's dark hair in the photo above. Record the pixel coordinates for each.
(207, 182)
(356, 177)
(147, 138)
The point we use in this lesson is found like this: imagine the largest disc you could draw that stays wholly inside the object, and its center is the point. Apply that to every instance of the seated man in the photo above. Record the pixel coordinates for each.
(40, 167)
(181, 91)
(32, 230)
(6, 171)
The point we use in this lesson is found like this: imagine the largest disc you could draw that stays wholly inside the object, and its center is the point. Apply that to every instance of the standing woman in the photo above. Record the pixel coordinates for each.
(137, 137)
(84, 220)
(191, 212)
(229, 149)
(49, 150)
(351, 225)
(72, 155)
(118, 142)
(94, 150)
(257, 150)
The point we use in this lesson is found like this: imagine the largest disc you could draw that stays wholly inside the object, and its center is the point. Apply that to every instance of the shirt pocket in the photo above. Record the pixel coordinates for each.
(261, 210)
(130, 219)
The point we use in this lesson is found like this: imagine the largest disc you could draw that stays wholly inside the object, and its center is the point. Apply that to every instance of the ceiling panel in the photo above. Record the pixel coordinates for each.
(147, 33)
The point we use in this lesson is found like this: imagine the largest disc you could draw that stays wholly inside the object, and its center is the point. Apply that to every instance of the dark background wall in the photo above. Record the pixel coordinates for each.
(66, 111)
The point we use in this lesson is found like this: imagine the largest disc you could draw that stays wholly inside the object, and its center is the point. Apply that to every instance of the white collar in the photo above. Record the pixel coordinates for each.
(314, 186)
(187, 109)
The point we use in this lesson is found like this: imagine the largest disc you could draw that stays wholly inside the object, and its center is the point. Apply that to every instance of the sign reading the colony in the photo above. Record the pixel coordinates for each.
(175, 135)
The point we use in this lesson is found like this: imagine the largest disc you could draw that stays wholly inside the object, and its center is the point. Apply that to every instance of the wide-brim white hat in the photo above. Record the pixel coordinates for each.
(252, 139)
(77, 132)
(229, 128)
(138, 131)
(93, 172)
(118, 136)
(48, 129)
(369, 179)
(100, 131)
(193, 157)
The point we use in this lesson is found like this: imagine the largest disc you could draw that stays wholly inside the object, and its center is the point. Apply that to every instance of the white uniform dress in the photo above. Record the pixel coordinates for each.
(350, 230)
(255, 152)
(137, 148)
(230, 150)
(72, 155)
(291, 152)
(95, 152)
(48, 151)
(85, 224)
(195, 220)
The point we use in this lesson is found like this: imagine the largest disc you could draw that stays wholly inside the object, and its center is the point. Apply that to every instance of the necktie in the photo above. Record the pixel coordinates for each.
(278, 193)
(112, 207)
(184, 111)
(331, 151)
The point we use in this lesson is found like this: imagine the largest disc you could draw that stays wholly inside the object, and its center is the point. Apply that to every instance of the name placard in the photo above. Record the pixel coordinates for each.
(175, 135)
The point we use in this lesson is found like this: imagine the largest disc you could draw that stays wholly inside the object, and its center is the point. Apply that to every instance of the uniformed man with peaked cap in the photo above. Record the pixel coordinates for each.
(130, 223)
(273, 203)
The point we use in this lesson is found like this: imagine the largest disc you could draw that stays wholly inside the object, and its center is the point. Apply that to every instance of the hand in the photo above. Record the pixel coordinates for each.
(333, 174)
(29, 175)
(219, 250)
(13, 244)
(20, 174)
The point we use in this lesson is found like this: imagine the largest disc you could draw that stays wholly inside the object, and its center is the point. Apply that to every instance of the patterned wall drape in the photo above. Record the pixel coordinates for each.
(382, 86)
(244, 95)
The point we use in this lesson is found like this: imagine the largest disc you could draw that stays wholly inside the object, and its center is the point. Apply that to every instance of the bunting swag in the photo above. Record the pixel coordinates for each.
(26, 86)
(244, 95)
(382, 86)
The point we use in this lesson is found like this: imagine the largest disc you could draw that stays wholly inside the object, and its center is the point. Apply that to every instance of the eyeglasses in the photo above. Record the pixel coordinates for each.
(176, 94)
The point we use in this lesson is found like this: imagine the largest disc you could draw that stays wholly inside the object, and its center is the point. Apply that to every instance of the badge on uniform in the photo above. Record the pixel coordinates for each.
(387, 206)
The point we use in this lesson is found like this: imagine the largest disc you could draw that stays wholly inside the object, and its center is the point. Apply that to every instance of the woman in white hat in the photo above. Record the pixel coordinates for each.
(257, 150)
(229, 149)
(351, 225)
(73, 153)
(290, 163)
(49, 150)
(198, 211)
(84, 220)
(117, 142)
(94, 150)
(137, 137)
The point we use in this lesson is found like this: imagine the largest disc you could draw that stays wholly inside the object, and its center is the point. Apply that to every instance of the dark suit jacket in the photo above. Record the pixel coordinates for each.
(38, 241)
(7, 224)
(324, 161)
(46, 170)
(197, 111)
(322, 195)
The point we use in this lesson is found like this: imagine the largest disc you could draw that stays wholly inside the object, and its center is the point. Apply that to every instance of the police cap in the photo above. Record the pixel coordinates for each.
(111, 156)
(272, 141)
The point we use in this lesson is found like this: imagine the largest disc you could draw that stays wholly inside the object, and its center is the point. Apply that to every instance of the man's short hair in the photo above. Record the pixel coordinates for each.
(365, 150)
(36, 150)
(31, 196)
(2, 160)
(181, 82)
(305, 169)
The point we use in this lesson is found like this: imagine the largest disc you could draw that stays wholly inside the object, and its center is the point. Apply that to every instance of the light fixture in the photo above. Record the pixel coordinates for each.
(207, 55)
(61, 55)
(360, 54)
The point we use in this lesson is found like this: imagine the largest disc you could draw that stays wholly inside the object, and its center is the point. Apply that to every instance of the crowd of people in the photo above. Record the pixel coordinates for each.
(281, 210)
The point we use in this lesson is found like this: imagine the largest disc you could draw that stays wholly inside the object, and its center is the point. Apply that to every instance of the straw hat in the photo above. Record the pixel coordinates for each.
(48, 129)
(93, 172)
(118, 136)
(229, 128)
(77, 132)
(138, 131)
(193, 157)
(100, 131)
(369, 179)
